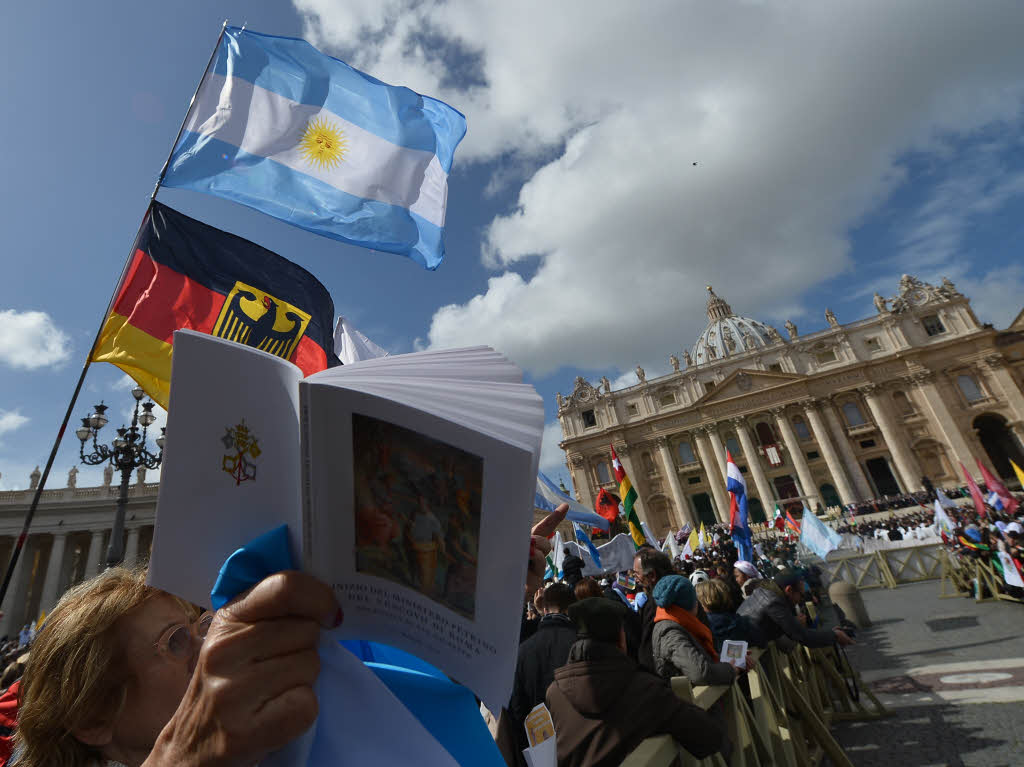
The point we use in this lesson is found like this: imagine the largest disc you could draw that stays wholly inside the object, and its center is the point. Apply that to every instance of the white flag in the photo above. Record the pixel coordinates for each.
(942, 520)
(351, 346)
(673, 545)
(650, 538)
(943, 500)
(1010, 574)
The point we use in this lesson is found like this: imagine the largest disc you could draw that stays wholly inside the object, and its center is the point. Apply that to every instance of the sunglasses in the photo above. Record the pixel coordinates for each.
(176, 642)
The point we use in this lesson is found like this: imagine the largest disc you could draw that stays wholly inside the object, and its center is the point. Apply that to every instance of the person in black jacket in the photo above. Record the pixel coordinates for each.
(649, 567)
(572, 567)
(540, 655)
(770, 607)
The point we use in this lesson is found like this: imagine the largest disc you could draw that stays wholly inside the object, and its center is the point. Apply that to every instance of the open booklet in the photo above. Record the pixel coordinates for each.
(406, 483)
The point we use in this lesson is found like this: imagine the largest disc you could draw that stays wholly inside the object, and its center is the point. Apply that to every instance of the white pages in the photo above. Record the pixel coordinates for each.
(409, 491)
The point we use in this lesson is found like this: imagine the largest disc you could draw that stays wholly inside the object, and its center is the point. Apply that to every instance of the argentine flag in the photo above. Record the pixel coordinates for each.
(737, 487)
(548, 496)
(280, 127)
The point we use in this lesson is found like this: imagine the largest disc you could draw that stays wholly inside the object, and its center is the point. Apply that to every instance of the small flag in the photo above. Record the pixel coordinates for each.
(352, 346)
(993, 500)
(702, 537)
(693, 542)
(979, 502)
(818, 537)
(942, 520)
(582, 537)
(607, 505)
(792, 524)
(549, 496)
(739, 528)
(673, 545)
(628, 495)
(651, 538)
(1011, 574)
(185, 274)
(778, 521)
(1017, 470)
(998, 489)
(943, 499)
(305, 138)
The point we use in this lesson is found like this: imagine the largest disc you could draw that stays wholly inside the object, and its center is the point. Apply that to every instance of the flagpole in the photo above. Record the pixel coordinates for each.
(23, 536)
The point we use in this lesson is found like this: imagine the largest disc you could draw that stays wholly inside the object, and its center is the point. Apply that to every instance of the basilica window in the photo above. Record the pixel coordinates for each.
(853, 415)
(709, 385)
(823, 358)
(589, 418)
(902, 403)
(603, 474)
(765, 435)
(668, 398)
(969, 386)
(873, 344)
(802, 432)
(933, 325)
(632, 409)
(775, 367)
(685, 451)
(732, 445)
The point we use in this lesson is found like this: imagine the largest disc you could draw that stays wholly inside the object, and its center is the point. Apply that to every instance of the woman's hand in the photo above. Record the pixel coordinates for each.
(252, 690)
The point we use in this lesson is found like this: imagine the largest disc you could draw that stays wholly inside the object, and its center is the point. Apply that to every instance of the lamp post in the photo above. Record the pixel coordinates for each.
(126, 453)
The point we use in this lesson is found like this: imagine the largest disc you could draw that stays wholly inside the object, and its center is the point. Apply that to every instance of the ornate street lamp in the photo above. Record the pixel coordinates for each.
(126, 453)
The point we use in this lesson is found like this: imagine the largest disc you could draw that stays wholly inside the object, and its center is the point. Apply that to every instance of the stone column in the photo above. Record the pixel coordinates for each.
(996, 365)
(14, 604)
(835, 466)
(764, 489)
(54, 573)
(131, 549)
(719, 447)
(943, 422)
(622, 450)
(707, 459)
(580, 480)
(907, 468)
(803, 471)
(678, 497)
(860, 481)
(92, 562)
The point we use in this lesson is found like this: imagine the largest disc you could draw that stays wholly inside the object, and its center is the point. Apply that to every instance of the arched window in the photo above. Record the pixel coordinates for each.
(765, 434)
(685, 451)
(802, 432)
(902, 403)
(732, 445)
(969, 386)
(603, 475)
(851, 411)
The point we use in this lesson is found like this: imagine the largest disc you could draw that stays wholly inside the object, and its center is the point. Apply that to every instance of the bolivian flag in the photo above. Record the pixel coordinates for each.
(185, 274)
(628, 495)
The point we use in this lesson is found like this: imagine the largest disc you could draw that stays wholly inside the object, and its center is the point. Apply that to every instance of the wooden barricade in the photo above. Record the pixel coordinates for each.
(969, 577)
(782, 717)
(918, 563)
(865, 571)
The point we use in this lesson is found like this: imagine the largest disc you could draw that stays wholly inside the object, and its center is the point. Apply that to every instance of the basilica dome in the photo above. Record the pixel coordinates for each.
(728, 335)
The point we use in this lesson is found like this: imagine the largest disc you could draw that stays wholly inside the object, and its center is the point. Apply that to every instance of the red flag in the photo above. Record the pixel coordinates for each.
(607, 505)
(979, 502)
(1010, 503)
(791, 523)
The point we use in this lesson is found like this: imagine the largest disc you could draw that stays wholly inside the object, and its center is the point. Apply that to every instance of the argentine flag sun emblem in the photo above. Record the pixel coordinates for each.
(323, 143)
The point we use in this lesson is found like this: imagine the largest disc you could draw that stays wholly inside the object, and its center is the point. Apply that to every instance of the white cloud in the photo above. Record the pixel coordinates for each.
(552, 458)
(11, 420)
(795, 114)
(30, 340)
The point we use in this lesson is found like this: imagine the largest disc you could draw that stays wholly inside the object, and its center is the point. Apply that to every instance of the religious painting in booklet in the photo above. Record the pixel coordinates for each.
(406, 483)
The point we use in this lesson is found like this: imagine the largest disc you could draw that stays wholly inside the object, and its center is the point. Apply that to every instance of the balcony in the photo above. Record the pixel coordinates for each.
(864, 428)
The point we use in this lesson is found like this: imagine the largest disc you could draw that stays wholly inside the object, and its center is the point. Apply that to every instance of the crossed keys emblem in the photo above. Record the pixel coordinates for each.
(242, 446)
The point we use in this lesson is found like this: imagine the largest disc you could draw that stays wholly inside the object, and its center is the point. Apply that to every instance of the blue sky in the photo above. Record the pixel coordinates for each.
(835, 147)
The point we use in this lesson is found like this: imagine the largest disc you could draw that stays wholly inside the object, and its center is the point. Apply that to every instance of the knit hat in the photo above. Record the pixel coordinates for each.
(675, 590)
(747, 568)
(598, 618)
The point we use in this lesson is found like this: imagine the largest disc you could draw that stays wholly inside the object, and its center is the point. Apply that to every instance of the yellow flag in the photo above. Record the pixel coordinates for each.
(42, 619)
(694, 541)
(1018, 472)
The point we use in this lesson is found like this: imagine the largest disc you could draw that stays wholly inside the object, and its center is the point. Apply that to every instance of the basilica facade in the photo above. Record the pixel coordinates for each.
(852, 412)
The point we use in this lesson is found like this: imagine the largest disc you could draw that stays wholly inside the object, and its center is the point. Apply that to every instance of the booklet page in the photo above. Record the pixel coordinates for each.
(231, 468)
(421, 526)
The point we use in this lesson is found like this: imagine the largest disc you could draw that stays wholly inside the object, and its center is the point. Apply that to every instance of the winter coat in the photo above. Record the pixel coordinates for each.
(773, 614)
(572, 569)
(603, 706)
(736, 627)
(677, 653)
(539, 656)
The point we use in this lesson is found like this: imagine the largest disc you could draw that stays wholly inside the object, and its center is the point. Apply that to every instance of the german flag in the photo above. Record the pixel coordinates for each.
(186, 274)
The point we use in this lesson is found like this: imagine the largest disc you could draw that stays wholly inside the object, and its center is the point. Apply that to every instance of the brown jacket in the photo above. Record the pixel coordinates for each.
(603, 705)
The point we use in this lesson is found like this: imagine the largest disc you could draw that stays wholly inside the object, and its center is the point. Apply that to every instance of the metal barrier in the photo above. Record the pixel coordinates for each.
(782, 719)
(890, 567)
(972, 577)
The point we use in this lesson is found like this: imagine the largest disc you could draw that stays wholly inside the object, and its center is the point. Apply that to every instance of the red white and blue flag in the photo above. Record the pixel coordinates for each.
(737, 488)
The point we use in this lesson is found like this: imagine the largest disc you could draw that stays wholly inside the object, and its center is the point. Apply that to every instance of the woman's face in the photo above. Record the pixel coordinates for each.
(156, 680)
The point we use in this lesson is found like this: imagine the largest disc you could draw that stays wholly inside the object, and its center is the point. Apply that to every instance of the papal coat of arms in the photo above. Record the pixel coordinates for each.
(243, 450)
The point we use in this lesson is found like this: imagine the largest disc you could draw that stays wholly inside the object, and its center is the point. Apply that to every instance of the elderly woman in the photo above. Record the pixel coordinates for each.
(123, 673)
(683, 645)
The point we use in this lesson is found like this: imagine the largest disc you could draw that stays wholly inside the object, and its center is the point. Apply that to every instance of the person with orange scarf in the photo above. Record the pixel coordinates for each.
(682, 643)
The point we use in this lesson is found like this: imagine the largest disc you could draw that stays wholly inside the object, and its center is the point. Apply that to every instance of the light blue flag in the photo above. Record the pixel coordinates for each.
(548, 496)
(303, 137)
(582, 537)
(817, 536)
